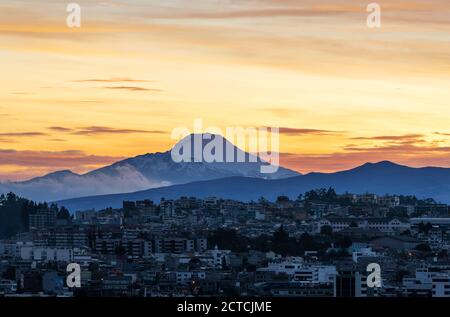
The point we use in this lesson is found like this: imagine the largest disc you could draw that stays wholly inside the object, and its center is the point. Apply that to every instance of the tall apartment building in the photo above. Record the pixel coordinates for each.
(71, 238)
(43, 219)
(179, 245)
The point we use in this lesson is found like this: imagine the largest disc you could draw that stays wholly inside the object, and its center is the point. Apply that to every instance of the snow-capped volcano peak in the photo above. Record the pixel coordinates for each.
(148, 171)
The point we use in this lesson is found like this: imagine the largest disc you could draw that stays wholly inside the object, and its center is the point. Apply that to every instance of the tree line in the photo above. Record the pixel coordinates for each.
(15, 212)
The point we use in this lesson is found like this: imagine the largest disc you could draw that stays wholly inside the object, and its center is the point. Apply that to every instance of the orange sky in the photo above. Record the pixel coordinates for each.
(342, 94)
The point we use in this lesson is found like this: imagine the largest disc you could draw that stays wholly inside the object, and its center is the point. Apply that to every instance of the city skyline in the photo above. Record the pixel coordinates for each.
(341, 93)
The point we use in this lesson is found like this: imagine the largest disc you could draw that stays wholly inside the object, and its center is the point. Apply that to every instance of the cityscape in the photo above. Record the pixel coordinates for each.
(224, 156)
(318, 245)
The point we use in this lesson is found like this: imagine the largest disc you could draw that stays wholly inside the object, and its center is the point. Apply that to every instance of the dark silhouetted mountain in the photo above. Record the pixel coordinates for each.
(143, 172)
(380, 178)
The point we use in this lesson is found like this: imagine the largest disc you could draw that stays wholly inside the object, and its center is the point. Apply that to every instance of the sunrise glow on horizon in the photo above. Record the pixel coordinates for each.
(341, 93)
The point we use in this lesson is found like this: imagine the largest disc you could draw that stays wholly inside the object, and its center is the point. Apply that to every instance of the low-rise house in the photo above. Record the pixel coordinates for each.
(400, 243)
(385, 225)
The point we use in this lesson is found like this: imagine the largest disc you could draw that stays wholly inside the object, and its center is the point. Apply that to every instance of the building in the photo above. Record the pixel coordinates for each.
(345, 284)
(187, 277)
(167, 208)
(46, 254)
(43, 219)
(369, 199)
(428, 281)
(52, 283)
(435, 221)
(385, 225)
(179, 245)
(440, 285)
(296, 289)
(117, 285)
(401, 243)
(86, 216)
(8, 287)
(71, 237)
(388, 201)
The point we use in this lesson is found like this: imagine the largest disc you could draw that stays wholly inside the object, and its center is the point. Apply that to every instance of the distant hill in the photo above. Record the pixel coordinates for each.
(380, 178)
(142, 172)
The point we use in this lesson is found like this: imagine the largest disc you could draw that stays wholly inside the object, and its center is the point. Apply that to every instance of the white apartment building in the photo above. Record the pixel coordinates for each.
(440, 285)
(382, 224)
(363, 252)
(436, 282)
(218, 257)
(187, 277)
(12, 248)
(287, 265)
(315, 274)
(299, 271)
(46, 254)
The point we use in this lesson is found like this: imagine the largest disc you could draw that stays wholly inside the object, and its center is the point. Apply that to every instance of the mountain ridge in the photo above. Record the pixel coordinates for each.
(379, 178)
(151, 170)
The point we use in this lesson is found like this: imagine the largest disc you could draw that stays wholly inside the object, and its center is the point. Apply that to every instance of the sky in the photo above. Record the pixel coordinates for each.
(341, 93)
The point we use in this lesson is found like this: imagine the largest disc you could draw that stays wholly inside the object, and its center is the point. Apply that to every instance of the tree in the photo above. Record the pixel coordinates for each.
(14, 214)
(399, 275)
(322, 194)
(425, 228)
(63, 214)
(282, 199)
(263, 201)
(227, 239)
(104, 249)
(120, 250)
(344, 242)
(326, 230)
(194, 263)
(280, 235)
(312, 195)
(423, 247)
(307, 242)
(330, 196)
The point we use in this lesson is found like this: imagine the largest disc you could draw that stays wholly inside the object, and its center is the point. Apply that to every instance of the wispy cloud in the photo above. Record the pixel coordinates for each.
(60, 129)
(58, 140)
(401, 148)
(96, 130)
(20, 165)
(2, 140)
(300, 132)
(90, 130)
(131, 88)
(403, 153)
(12, 137)
(113, 80)
(57, 159)
(262, 13)
(21, 134)
(441, 133)
(120, 80)
(24, 93)
(405, 137)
